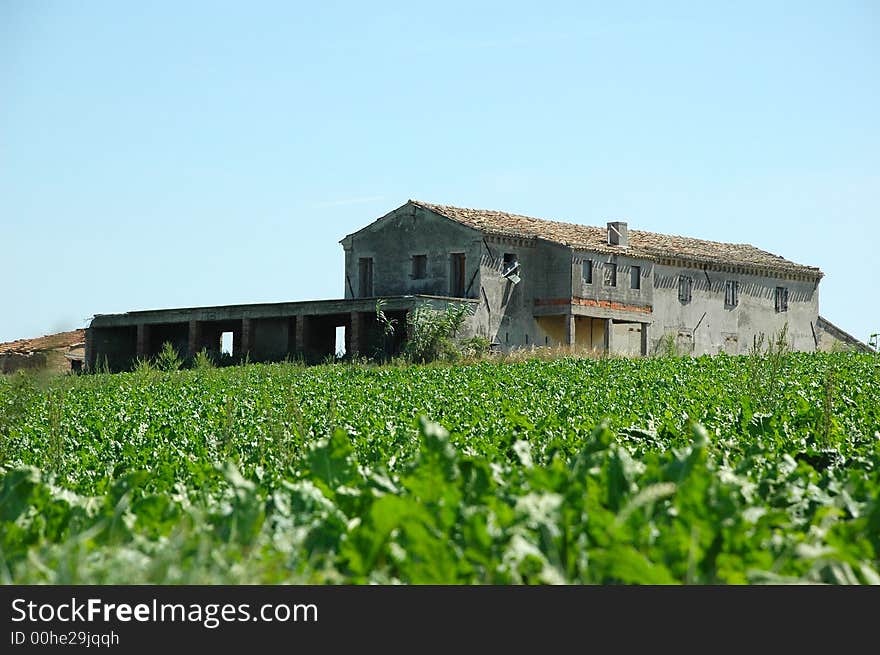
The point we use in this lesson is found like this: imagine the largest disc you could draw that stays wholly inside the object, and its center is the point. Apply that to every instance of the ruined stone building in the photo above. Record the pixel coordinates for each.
(528, 281)
(63, 352)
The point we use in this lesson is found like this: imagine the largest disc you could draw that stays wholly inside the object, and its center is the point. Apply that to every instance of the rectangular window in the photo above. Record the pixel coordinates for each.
(510, 265)
(731, 294)
(781, 299)
(587, 271)
(610, 274)
(635, 277)
(456, 277)
(684, 288)
(365, 277)
(419, 267)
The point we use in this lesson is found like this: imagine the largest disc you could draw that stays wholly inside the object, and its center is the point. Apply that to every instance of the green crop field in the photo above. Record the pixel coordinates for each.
(667, 470)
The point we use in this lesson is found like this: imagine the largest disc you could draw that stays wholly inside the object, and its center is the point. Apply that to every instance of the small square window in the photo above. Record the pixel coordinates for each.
(611, 274)
(587, 271)
(510, 263)
(684, 288)
(419, 266)
(781, 299)
(635, 277)
(731, 294)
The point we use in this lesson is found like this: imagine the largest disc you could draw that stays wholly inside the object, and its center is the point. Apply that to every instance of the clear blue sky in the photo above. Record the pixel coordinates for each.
(162, 154)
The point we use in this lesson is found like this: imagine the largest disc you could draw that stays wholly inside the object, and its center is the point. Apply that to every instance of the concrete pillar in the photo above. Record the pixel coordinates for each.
(645, 339)
(91, 355)
(301, 335)
(247, 336)
(236, 342)
(570, 336)
(291, 335)
(609, 335)
(354, 334)
(143, 340)
(195, 337)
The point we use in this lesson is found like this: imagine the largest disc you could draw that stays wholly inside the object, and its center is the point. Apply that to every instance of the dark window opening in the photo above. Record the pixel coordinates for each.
(731, 294)
(611, 274)
(587, 271)
(684, 288)
(456, 287)
(635, 277)
(365, 277)
(781, 299)
(419, 267)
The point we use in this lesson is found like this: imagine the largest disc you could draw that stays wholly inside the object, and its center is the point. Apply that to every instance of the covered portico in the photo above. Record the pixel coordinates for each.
(267, 332)
(597, 324)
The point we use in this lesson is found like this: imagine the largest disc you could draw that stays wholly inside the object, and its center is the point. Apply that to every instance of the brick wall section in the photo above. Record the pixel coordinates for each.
(589, 302)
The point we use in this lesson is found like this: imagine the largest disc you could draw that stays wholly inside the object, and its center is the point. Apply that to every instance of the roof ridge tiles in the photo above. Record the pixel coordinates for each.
(642, 243)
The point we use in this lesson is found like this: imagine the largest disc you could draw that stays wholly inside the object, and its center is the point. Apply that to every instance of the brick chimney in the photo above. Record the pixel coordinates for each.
(618, 235)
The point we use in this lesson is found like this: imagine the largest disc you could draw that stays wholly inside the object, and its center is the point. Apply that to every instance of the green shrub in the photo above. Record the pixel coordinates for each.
(168, 358)
(432, 333)
(203, 360)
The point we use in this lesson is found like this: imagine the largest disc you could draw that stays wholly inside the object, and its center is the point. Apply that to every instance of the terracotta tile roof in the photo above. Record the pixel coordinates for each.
(49, 342)
(648, 245)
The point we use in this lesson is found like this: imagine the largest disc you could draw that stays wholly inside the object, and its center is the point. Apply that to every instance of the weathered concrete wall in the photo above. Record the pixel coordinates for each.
(623, 292)
(627, 339)
(506, 310)
(114, 346)
(11, 362)
(392, 241)
(706, 326)
(271, 338)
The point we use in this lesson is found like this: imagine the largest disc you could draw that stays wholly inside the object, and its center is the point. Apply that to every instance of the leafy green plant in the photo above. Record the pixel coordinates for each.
(573, 470)
(766, 367)
(432, 333)
(203, 360)
(475, 347)
(143, 367)
(389, 325)
(168, 358)
(666, 346)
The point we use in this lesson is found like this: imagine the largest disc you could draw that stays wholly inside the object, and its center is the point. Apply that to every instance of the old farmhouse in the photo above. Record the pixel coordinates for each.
(530, 282)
